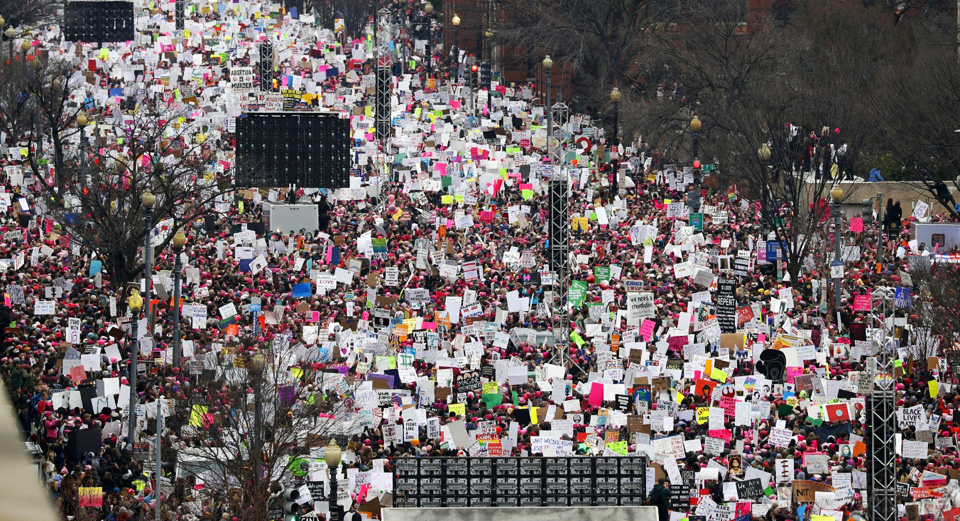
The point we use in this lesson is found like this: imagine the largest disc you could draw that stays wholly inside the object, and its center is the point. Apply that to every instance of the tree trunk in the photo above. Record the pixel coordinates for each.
(120, 268)
(793, 269)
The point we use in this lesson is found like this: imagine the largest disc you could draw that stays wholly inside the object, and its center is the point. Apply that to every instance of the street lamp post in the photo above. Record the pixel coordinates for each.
(763, 153)
(135, 304)
(456, 41)
(837, 195)
(332, 459)
(257, 364)
(471, 81)
(159, 474)
(487, 36)
(615, 97)
(489, 69)
(429, 10)
(82, 123)
(10, 33)
(148, 200)
(178, 241)
(25, 47)
(547, 65)
(695, 126)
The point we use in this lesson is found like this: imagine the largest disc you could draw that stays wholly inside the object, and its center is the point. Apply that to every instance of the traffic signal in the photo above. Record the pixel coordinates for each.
(696, 173)
(866, 210)
(473, 74)
(485, 75)
(291, 505)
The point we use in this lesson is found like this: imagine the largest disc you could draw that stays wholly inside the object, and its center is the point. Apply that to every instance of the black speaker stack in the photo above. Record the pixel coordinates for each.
(310, 150)
(98, 22)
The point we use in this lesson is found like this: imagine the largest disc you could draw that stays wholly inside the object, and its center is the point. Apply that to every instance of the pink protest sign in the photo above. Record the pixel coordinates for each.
(596, 395)
(646, 329)
(861, 303)
(793, 372)
(856, 225)
(723, 434)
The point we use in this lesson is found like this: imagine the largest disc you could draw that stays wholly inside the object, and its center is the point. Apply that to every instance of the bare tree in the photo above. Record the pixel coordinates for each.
(781, 112)
(50, 88)
(251, 426)
(604, 42)
(921, 99)
(96, 194)
(935, 301)
(17, 111)
(355, 15)
(19, 13)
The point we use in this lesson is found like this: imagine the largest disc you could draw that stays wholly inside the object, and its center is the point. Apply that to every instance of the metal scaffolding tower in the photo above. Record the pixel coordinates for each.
(384, 86)
(559, 254)
(180, 9)
(266, 66)
(883, 462)
(882, 423)
(559, 228)
(559, 115)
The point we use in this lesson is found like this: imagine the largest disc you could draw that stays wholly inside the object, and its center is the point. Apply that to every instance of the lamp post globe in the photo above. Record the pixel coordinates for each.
(135, 302)
(763, 152)
(615, 95)
(332, 455)
(836, 194)
(179, 240)
(258, 363)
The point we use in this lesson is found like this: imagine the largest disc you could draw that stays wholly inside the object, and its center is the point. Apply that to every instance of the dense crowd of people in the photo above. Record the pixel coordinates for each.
(433, 289)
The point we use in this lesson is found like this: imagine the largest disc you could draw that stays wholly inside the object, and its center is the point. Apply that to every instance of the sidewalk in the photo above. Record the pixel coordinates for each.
(22, 497)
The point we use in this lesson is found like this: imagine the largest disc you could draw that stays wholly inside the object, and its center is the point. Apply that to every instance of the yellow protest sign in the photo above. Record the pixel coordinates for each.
(718, 375)
(703, 415)
(619, 447)
(458, 409)
(196, 415)
(491, 388)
